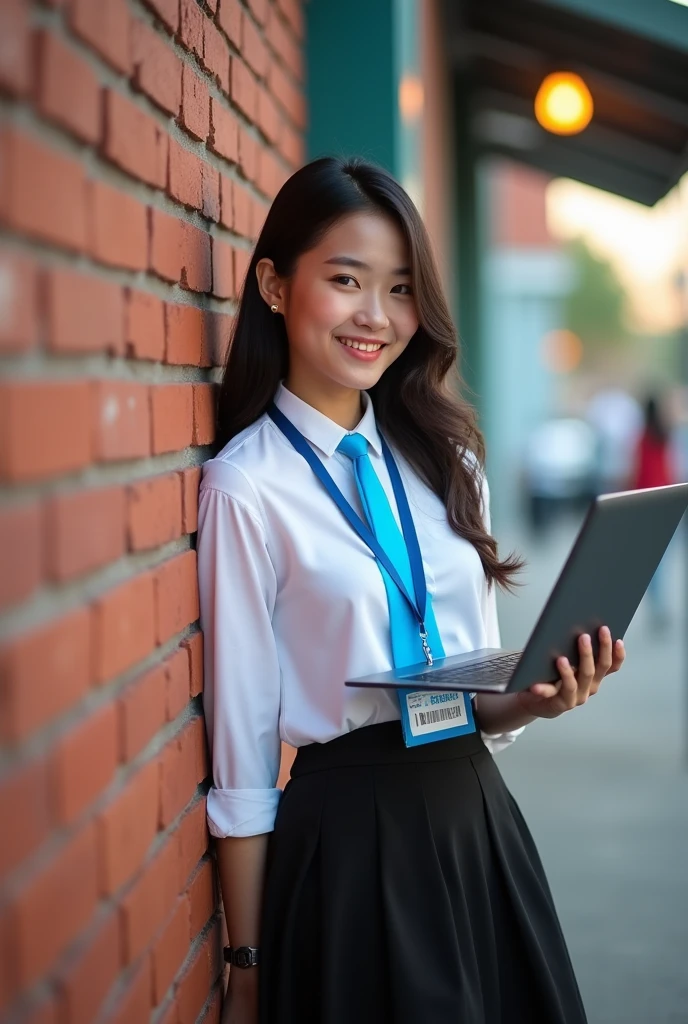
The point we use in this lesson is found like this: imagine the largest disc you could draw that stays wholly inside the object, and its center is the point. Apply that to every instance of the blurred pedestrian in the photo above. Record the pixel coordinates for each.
(654, 468)
(395, 880)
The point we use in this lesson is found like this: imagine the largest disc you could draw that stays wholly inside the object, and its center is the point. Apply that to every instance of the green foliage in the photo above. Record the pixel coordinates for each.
(595, 307)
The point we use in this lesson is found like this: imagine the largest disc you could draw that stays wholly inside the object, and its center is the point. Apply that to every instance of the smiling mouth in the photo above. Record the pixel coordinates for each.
(362, 346)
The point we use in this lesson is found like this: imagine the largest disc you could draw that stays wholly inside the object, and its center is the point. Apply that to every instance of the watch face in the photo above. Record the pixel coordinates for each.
(243, 958)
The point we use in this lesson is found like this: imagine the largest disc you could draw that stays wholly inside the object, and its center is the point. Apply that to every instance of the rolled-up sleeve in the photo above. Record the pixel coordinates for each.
(241, 695)
(497, 741)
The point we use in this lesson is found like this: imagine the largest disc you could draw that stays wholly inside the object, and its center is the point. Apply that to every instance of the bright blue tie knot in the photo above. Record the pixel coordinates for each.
(353, 445)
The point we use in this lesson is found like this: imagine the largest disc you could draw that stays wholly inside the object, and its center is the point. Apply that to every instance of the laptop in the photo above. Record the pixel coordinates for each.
(613, 559)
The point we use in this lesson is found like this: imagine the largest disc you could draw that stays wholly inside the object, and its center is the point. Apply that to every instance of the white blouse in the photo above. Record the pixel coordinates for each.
(293, 604)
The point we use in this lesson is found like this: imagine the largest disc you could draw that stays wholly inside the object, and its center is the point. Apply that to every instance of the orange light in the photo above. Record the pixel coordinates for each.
(561, 351)
(411, 97)
(563, 104)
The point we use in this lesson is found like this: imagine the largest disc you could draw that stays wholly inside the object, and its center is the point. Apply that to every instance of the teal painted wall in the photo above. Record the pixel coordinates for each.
(352, 80)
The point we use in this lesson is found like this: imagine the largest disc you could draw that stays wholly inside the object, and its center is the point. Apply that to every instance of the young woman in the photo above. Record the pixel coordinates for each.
(390, 883)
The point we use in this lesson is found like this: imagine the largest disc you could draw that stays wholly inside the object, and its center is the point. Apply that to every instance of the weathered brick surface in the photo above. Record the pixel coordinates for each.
(148, 139)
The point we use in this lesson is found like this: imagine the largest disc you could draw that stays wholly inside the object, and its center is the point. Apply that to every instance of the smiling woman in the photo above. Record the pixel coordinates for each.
(394, 880)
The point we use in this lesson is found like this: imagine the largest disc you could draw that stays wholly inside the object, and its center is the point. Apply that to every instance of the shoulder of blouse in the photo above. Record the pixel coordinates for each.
(230, 471)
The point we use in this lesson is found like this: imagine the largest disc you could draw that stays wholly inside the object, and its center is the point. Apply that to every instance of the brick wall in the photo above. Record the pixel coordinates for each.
(140, 146)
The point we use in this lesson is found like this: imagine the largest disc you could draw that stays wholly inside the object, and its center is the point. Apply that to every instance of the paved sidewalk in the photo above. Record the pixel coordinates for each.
(605, 791)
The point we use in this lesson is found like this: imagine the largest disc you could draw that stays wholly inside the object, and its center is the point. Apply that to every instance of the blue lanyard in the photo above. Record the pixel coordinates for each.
(418, 605)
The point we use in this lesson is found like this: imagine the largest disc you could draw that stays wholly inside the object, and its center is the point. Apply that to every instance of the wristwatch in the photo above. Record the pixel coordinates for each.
(242, 956)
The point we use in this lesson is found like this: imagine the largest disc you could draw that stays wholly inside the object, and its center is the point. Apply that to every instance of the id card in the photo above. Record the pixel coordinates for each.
(430, 715)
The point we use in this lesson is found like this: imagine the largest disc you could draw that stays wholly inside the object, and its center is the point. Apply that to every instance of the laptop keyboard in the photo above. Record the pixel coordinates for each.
(492, 672)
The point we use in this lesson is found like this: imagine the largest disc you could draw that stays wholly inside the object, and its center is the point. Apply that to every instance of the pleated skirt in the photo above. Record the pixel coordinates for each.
(403, 887)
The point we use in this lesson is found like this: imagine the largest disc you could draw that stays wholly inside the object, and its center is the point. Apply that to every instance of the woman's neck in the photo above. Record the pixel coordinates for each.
(341, 405)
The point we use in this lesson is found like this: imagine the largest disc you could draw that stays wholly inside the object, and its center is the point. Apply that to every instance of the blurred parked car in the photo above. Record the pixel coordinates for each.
(560, 468)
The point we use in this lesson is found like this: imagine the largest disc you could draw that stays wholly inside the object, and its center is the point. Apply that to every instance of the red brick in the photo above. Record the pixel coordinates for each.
(242, 261)
(185, 179)
(44, 428)
(291, 145)
(172, 416)
(179, 774)
(46, 1011)
(211, 192)
(150, 900)
(202, 898)
(248, 154)
(268, 117)
(192, 836)
(176, 595)
(134, 141)
(105, 26)
(158, 70)
(121, 420)
(203, 413)
(229, 19)
(127, 828)
(177, 683)
(15, 53)
(124, 626)
(84, 313)
(44, 672)
(227, 201)
(244, 88)
(194, 646)
(212, 5)
(85, 980)
(223, 270)
(64, 893)
(190, 479)
(171, 949)
(291, 9)
(118, 228)
(134, 1006)
(19, 296)
(197, 980)
(68, 90)
(242, 201)
(271, 175)
(24, 802)
(22, 554)
(191, 27)
(195, 104)
(84, 530)
(167, 11)
(224, 132)
(213, 1013)
(218, 332)
(83, 763)
(283, 44)
(185, 335)
(216, 54)
(180, 252)
(253, 48)
(287, 94)
(145, 326)
(45, 192)
(142, 711)
(154, 512)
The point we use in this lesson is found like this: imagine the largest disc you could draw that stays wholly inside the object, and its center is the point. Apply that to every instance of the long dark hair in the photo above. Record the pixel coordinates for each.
(655, 423)
(416, 401)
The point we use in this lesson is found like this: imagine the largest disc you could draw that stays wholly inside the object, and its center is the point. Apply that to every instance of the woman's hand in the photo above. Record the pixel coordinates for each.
(241, 1001)
(549, 700)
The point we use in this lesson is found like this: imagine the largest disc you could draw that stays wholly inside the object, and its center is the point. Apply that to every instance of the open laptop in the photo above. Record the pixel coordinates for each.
(613, 559)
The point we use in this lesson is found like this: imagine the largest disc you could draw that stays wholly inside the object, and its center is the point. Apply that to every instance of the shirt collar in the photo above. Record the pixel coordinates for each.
(322, 431)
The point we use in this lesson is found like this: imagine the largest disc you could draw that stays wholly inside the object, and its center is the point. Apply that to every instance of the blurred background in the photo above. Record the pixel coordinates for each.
(141, 142)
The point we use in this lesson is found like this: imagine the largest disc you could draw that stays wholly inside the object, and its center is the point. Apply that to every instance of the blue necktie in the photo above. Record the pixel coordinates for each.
(406, 643)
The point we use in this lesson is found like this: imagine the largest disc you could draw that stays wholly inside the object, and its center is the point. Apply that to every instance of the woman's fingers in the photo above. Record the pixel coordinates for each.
(605, 656)
(618, 656)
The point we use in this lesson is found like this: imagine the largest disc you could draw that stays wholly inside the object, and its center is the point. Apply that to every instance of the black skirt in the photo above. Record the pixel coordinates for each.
(403, 887)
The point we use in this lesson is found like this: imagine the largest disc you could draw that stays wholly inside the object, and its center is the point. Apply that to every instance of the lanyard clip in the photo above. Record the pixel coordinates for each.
(426, 647)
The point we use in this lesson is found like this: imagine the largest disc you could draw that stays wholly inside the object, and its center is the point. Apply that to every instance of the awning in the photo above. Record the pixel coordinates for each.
(634, 59)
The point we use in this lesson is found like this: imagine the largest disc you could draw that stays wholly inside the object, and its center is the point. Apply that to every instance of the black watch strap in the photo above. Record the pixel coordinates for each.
(242, 956)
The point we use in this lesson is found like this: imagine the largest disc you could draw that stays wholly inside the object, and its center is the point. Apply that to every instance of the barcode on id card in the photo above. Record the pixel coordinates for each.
(433, 712)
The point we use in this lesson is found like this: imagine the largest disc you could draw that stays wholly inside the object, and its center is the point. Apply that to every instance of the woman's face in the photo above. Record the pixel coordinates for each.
(351, 292)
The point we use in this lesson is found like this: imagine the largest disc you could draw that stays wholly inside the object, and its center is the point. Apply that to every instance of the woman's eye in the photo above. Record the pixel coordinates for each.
(406, 291)
(346, 279)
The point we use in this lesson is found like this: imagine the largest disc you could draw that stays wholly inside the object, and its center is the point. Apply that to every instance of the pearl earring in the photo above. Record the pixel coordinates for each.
(274, 309)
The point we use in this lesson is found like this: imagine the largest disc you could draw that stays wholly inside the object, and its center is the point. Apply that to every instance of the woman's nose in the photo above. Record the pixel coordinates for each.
(372, 314)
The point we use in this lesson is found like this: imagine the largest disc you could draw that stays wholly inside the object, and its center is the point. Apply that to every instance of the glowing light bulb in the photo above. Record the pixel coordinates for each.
(563, 104)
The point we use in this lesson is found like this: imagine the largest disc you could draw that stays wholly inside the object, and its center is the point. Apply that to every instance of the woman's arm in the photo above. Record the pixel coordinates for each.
(500, 713)
(241, 866)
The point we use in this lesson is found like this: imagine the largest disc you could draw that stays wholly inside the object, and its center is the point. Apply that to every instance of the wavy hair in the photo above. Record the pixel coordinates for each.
(417, 400)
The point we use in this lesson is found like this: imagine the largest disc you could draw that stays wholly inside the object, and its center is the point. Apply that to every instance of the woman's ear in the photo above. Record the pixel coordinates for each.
(270, 284)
